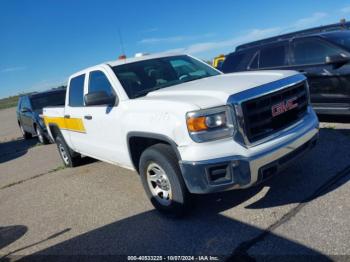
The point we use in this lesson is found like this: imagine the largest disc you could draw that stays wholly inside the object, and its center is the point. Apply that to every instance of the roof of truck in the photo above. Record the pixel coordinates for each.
(127, 61)
(141, 58)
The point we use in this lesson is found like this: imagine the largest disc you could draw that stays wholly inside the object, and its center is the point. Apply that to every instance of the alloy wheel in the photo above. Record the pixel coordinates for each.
(63, 154)
(159, 184)
(40, 136)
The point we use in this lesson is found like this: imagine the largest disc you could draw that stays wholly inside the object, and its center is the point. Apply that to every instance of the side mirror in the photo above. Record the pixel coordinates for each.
(99, 98)
(25, 110)
(337, 60)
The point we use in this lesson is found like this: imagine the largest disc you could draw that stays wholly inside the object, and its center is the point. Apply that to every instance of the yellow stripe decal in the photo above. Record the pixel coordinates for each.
(71, 124)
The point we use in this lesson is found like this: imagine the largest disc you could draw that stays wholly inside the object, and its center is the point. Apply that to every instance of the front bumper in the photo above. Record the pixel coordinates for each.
(237, 171)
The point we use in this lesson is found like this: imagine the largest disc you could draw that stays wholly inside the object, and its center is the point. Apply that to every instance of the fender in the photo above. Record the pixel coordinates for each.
(53, 139)
(51, 135)
(156, 136)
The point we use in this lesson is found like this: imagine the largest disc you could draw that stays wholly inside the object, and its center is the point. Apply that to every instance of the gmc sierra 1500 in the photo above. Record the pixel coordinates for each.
(184, 126)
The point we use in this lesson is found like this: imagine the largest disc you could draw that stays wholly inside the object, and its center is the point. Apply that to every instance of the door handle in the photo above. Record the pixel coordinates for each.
(88, 117)
(66, 116)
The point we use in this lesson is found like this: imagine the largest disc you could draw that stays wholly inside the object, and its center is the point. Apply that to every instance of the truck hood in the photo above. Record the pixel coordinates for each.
(214, 91)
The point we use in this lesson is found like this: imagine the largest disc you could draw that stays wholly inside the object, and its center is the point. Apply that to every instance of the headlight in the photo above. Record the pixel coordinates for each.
(210, 124)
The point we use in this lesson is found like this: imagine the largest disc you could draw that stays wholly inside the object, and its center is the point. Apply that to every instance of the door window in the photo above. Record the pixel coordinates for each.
(273, 56)
(237, 61)
(76, 91)
(20, 102)
(312, 51)
(255, 62)
(99, 82)
(25, 103)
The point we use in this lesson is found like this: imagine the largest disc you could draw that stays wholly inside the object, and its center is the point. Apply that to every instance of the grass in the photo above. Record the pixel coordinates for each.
(8, 102)
(58, 169)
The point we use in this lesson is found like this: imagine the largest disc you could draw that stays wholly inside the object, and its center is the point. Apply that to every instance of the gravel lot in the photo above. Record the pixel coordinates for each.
(100, 209)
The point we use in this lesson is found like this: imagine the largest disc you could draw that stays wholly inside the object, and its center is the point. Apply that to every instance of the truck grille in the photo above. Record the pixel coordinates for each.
(270, 113)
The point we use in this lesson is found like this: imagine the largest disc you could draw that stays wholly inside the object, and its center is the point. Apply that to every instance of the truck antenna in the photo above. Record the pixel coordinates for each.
(121, 42)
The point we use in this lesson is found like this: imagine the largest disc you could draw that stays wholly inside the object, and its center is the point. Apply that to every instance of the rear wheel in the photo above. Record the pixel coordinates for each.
(162, 180)
(25, 134)
(69, 157)
(41, 137)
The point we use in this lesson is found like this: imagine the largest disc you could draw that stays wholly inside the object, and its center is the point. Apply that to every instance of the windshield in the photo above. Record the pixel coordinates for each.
(140, 78)
(341, 38)
(50, 99)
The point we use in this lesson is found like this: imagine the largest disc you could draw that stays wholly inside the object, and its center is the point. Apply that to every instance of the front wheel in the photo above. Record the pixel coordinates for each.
(68, 156)
(162, 180)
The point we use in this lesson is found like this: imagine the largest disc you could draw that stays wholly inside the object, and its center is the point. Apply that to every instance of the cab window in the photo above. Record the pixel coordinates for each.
(25, 103)
(99, 82)
(237, 61)
(76, 91)
(20, 102)
(311, 51)
(254, 64)
(273, 56)
(40, 101)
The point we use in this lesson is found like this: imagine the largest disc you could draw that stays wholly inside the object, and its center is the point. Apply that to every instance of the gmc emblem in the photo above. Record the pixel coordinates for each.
(284, 106)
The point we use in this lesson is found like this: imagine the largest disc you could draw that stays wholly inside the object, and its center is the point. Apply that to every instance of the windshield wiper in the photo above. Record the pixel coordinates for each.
(192, 78)
(146, 91)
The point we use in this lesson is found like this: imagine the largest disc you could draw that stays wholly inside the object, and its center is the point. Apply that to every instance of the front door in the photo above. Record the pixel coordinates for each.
(102, 121)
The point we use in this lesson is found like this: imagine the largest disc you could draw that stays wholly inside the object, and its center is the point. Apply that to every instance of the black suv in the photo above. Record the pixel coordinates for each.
(322, 54)
(29, 109)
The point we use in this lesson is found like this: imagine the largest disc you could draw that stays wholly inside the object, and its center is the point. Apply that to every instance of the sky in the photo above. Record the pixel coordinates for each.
(42, 42)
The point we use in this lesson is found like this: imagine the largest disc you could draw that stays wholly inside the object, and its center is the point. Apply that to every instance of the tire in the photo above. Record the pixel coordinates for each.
(25, 134)
(41, 137)
(162, 180)
(69, 157)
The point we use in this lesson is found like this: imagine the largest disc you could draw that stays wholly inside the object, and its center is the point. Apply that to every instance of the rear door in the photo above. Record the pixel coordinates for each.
(308, 56)
(73, 124)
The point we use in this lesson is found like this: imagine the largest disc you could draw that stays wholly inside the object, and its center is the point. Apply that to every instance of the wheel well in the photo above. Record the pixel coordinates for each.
(54, 131)
(139, 144)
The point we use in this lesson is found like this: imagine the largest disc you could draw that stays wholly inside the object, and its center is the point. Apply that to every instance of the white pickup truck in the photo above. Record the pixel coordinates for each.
(185, 127)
